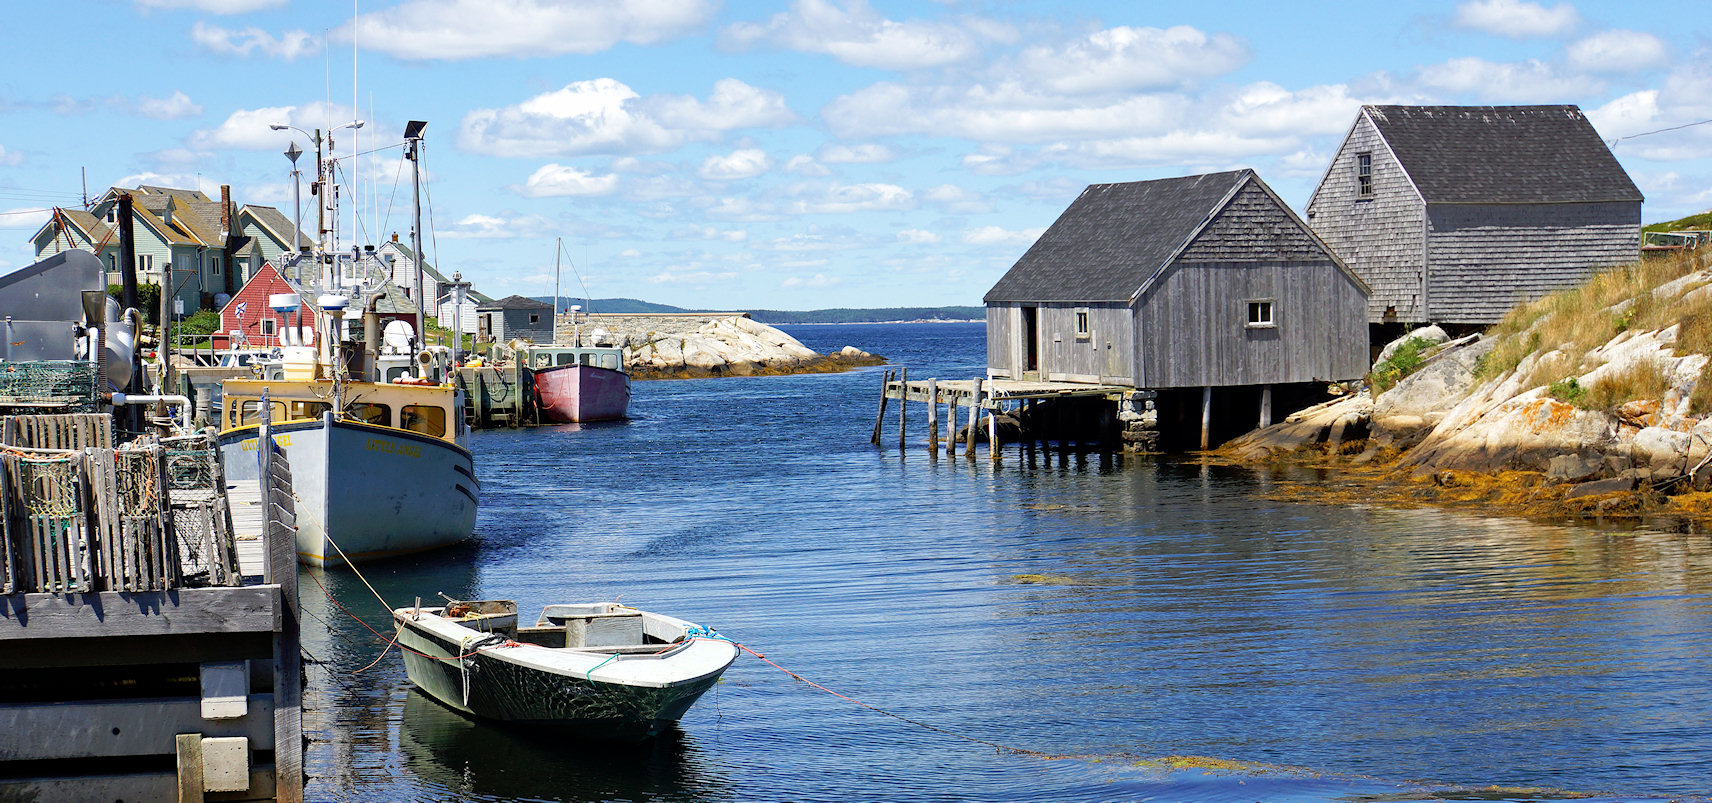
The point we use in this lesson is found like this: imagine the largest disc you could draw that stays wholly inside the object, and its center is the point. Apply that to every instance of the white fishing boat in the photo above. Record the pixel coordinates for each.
(599, 671)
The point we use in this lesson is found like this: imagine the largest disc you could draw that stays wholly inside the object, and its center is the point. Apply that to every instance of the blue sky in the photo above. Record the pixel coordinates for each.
(791, 155)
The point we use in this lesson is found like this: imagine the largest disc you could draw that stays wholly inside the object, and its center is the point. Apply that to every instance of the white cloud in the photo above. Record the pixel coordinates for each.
(994, 235)
(10, 158)
(855, 154)
(1517, 19)
(1267, 108)
(721, 235)
(1532, 81)
(1126, 59)
(846, 198)
(554, 180)
(630, 253)
(28, 218)
(213, 6)
(917, 237)
(1618, 52)
(466, 29)
(606, 116)
(490, 227)
(226, 42)
(806, 165)
(739, 164)
(1007, 113)
(176, 107)
(957, 199)
(817, 280)
(250, 129)
(187, 181)
(1629, 114)
(858, 36)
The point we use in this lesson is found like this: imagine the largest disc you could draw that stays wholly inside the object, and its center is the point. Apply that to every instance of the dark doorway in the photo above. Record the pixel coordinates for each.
(1031, 338)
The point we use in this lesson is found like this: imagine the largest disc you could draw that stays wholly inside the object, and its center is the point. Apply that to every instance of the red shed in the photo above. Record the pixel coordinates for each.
(248, 312)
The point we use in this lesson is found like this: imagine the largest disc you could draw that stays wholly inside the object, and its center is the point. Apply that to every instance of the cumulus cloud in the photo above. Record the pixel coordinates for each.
(606, 116)
(806, 165)
(1618, 52)
(176, 107)
(817, 280)
(555, 180)
(917, 237)
(1007, 113)
(957, 199)
(1516, 19)
(739, 164)
(466, 29)
(995, 235)
(189, 181)
(858, 36)
(1267, 108)
(866, 154)
(1531, 81)
(846, 198)
(1125, 58)
(252, 40)
(212, 6)
(490, 227)
(30, 218)
(251, 129)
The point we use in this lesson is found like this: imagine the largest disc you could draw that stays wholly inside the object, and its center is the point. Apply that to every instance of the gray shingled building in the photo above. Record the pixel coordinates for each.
(515, 317)
(1455, 214)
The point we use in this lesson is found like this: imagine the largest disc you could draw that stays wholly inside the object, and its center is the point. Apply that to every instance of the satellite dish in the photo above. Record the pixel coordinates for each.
(397, 335)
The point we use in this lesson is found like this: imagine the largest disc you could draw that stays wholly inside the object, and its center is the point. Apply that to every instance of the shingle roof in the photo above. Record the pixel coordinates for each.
(1502, 154)
(1112, 238)
(275, 222)
(514, 302)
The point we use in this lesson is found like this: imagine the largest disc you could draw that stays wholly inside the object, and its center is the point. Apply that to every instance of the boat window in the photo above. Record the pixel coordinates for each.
(424, 419)
(567, 358)
(395, 372)
(610, 362)
(250, 412)
(543, 360)
(299, 410)
(377, 414)
(585, 358)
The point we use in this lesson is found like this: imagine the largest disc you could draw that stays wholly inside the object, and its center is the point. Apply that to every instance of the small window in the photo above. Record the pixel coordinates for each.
(214, 266)
(534, 318)
(1364, 175)
(566, 358)
(270, 327)
(1082, 331)
(378, 414)
(1260, 314)
(299, 410)
(250, 412)
(424, 419)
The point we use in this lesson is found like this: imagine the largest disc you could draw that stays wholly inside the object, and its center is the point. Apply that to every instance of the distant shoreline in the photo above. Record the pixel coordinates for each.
(875, 323)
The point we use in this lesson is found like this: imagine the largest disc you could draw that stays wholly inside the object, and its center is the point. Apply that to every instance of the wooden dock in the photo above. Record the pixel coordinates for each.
(968, 399)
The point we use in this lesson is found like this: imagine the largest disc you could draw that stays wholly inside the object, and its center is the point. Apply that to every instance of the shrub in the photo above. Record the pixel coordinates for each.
(1568, 390)
(148, 300)
(1405, 360)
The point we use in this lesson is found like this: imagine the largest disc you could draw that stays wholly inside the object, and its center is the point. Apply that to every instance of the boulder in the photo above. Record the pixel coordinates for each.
(1432, 334)
(1574, 468)
(1602, 487)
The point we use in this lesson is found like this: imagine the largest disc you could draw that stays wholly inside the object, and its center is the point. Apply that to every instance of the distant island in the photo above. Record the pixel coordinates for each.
(632, 306)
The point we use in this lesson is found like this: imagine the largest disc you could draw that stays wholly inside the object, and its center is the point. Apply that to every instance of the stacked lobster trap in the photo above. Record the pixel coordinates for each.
(80, 515)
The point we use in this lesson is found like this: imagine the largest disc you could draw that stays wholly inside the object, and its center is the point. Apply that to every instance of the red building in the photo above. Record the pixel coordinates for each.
(249, 314)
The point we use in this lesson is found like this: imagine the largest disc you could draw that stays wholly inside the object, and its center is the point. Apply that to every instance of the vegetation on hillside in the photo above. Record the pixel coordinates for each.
(1561, 329)
(1698, 222)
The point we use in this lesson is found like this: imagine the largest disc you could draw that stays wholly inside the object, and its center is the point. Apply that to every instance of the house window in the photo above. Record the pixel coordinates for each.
(214, 266)
(1364, 175)
(1260, 314)
(534, 318)
(1082, 331)
(269, 327)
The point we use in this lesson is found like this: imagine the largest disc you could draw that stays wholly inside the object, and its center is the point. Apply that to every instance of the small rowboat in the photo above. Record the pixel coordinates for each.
(599, 671)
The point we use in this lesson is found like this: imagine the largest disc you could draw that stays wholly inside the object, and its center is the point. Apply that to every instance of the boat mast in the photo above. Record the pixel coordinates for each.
(558, 248)
(413, 152)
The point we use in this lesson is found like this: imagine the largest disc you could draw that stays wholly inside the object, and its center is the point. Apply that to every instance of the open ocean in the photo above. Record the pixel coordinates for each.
(1106, 612)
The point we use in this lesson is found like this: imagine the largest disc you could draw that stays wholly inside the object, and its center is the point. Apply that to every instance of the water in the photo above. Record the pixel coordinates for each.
(1116, 611)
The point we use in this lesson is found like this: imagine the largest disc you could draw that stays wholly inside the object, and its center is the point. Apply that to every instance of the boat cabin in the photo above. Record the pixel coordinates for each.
(549, 356)
(432, 410)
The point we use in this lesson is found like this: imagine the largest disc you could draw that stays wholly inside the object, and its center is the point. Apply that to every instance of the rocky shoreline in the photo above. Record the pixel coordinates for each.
(1616, 426)
(730, 345)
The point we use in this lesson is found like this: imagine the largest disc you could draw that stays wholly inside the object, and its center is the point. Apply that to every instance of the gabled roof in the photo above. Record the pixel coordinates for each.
(1502, 154)
(274, 222)
(87, 224)
(514, 302)
(1113, 238)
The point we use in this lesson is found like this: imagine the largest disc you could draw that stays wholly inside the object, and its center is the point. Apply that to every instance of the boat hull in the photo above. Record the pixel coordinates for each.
(365, 492)
(487, 686)
(570, 394)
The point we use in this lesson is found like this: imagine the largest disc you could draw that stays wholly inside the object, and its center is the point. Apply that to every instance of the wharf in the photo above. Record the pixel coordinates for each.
(1128, 407)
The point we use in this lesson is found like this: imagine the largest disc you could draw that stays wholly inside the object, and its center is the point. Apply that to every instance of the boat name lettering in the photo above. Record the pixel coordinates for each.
(390, 447)
(283, 440)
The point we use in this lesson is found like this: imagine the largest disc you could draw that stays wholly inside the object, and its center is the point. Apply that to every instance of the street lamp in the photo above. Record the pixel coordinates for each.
(322, 169)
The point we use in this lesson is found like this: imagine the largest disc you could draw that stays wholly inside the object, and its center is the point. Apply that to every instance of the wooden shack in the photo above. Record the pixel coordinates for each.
(515, 317)
(1201, 282)
(1455, 214)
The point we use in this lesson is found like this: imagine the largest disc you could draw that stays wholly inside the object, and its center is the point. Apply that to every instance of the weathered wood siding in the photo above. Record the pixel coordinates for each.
(1484, 259)
(1192, 325)
(1380, 237)
(1004, 334)
(1105, 355)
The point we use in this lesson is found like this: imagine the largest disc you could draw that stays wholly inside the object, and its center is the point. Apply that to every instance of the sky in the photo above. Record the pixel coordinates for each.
(799, 154)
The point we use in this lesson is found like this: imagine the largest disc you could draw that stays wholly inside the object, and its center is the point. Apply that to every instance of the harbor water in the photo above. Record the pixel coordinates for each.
(1151, 629)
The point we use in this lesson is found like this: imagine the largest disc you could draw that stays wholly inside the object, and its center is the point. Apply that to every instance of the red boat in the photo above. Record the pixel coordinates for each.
(574, 385)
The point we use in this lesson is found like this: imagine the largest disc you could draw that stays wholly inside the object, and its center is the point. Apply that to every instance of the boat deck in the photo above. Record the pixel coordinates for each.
(245, 499)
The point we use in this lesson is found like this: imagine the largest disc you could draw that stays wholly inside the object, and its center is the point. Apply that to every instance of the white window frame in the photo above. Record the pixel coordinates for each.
(1364, 175)
(269, 327)
(1260, 313)
(1082, 320)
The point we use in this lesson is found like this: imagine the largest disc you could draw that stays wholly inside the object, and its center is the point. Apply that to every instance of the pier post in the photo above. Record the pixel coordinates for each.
(974, 419)
(880, 418)
(1266, 405)
(993, 450)
(951, 423)
(933, 414)
(903, 404)
(1206, 416)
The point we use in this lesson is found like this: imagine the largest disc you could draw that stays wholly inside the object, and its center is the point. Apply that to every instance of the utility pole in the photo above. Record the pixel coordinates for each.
(413, 152)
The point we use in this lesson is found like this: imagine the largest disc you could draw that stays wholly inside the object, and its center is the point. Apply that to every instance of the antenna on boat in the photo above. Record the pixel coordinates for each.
(413, 152)
(558, 244)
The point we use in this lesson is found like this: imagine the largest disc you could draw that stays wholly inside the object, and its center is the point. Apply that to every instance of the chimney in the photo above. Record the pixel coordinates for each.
(395, 236)
(225, 212)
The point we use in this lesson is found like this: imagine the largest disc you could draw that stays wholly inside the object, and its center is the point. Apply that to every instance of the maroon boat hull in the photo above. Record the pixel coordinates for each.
(570, 394)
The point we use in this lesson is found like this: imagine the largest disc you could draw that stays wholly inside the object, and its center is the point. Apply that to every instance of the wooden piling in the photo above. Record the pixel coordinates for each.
(880, 417)
(1265, 405)
(903, 404)
(951, 424)
(933, 414)
(1206, 416)
(993, 449)
(974, 419)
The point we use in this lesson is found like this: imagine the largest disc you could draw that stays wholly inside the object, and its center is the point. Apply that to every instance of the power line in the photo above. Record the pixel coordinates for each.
(1613, 143)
